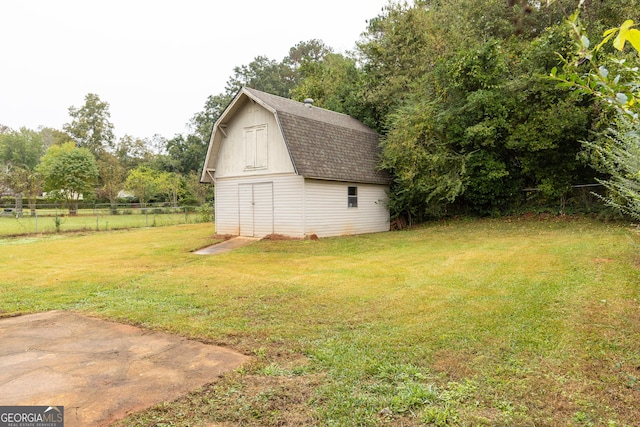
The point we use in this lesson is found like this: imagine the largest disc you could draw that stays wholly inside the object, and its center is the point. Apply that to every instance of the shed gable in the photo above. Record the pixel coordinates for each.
(250, 143)
(309, 141)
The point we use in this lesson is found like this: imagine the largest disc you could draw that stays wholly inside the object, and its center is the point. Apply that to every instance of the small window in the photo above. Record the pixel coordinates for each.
(352, 198)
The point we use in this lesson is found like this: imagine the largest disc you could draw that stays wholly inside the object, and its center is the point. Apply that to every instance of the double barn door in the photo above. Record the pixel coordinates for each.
(256, 209)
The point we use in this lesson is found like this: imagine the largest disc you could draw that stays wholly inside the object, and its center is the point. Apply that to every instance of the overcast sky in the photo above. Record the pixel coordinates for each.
(154, 61)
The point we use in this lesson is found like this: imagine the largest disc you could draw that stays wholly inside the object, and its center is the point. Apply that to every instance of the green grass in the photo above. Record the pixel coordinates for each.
(493, 322)
(101, 221)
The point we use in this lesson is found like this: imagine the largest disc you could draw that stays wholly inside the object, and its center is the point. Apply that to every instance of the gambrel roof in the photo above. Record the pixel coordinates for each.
(322, 144)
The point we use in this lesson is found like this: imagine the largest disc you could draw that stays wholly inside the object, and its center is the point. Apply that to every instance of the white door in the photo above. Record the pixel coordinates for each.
(256, 209)
(245, 200)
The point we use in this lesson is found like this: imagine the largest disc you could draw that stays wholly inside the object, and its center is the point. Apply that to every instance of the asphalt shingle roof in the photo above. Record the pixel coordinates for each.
(324, 144)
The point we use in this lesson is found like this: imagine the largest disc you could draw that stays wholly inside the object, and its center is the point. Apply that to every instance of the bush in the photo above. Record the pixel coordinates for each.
(205, 213)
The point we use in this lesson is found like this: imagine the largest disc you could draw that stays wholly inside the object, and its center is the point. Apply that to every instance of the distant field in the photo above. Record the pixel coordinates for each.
(52, 220)
(521, 322)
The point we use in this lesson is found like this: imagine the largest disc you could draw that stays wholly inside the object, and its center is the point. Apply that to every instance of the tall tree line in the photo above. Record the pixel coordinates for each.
(461, 94)
(458, 89)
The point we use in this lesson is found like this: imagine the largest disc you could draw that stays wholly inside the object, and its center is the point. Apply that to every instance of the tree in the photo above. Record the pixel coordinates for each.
(314, 50)
(264, 74)
(26, 182)
(112, 175)
(90, 127)
(170, 184)
(332, 83)
(201, 124)
(195, 189)
(143, 183)
(188, 152)
(427, 174)
(459, 92)
(615, 81)
(69, 172)
(52, 136)
(22, 148)
(618, 154)
(398, 47)
(132, 152)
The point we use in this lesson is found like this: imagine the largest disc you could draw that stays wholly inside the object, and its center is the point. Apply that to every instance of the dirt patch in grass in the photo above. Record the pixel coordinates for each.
(279, 237)
(283, 400)
(602, 260)
(257, 395)
(453, 364)
(221, 237)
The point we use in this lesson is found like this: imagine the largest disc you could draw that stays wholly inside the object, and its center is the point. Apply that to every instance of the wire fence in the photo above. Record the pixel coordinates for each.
(56, 219)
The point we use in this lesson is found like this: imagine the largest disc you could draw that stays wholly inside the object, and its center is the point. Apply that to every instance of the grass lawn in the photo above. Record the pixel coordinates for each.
(522, 322)
(102, 220)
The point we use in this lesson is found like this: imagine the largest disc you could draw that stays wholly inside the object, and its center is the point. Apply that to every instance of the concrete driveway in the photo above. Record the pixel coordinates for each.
(100, 371)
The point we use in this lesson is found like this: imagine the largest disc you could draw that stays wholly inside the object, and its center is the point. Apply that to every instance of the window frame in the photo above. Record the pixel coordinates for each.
(352, 199)
(255, 148)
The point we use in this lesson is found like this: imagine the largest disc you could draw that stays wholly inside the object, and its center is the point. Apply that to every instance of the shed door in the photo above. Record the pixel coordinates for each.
(256, 209)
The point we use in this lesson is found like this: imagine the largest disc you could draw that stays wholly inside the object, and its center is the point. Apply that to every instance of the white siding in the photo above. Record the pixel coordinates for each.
(328, 214)
(253, 145)
(226, 207)
(286, 208)
(258, 191)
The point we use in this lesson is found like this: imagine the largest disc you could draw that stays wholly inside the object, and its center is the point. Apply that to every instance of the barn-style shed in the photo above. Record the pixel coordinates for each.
(285, 167)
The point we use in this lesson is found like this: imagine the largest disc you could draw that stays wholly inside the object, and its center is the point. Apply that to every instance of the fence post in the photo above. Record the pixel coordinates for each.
(36, 222)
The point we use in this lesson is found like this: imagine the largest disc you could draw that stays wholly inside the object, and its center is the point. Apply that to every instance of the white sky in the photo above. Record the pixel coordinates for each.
(154, 61)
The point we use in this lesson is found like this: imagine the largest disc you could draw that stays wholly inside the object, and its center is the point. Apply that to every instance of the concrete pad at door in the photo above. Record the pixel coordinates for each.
(227, 245)
(100, 371)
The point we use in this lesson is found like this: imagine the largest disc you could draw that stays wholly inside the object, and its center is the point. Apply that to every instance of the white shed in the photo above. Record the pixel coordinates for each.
(285, 167)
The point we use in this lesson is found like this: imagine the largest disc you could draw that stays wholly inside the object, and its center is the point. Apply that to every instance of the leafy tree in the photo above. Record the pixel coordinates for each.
(427, 174)
(144, 183)
(615, 81)
(332, 83)
(132, 152)
(90, 126)
(618, 154)
(27, 182)
(187, 152)
(23, 147)
(23, 181)
(52, 136)
(112, 175)
(69, 172)
(200, 193)
(314, 50)
(201, 123)
(263, 74)
(170, 184)
(398, 48)
(467, 115)
(156, 144)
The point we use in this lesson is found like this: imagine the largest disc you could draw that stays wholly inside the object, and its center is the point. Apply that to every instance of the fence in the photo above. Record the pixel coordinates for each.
(55, 218)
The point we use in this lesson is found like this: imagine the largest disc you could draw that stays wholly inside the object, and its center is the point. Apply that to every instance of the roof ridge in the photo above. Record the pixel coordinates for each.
(364, 130)
(300, 105)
